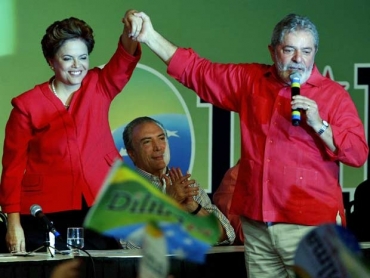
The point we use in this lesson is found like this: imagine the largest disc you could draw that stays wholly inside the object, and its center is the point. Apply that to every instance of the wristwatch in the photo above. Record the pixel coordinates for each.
(324, 126)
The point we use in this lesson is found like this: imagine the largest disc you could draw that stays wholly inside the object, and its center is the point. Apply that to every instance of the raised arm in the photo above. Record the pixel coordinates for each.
(146, 34)
(132, 24)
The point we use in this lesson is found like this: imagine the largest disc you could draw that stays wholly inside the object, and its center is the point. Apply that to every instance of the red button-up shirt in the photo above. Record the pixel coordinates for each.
(287, 174)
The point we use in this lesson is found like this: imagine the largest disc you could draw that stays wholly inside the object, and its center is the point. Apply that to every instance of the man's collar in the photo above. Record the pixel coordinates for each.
(148, 175)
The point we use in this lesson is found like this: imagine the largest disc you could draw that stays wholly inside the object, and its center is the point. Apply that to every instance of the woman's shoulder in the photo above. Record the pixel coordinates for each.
(37, 89)
(32, 96)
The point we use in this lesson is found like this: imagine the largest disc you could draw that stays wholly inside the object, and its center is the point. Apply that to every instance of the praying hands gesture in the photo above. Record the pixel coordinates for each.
(181, 188)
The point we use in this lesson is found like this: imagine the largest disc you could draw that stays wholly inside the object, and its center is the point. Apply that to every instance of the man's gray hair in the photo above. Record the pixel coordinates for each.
(292, 23)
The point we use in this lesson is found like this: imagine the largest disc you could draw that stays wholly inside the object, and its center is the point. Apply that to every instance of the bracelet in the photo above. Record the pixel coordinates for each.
(197, 210)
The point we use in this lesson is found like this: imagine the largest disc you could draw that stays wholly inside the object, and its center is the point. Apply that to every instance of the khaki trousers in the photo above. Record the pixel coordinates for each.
(270, 248)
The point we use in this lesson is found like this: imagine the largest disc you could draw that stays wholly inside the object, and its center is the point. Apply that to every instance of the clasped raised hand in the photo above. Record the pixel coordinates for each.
(133, 23)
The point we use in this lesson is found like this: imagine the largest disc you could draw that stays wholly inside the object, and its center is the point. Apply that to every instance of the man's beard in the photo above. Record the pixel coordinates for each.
(284, 71)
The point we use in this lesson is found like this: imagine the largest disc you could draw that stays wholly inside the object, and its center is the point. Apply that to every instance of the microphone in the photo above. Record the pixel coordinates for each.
(295, 90)
(36, 211)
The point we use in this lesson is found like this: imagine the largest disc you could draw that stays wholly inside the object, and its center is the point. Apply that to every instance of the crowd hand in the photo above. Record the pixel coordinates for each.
(179, 187)
(133, 24)
(15, 238)
(310, 107)
(68, 269)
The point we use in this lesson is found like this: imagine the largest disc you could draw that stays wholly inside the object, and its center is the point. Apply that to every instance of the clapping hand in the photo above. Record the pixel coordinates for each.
(179, 186)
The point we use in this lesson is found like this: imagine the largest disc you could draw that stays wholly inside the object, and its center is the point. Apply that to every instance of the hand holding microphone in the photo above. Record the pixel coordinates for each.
(302, 103)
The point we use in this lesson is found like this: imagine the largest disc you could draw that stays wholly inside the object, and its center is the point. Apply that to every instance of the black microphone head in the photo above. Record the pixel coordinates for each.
(35, 209)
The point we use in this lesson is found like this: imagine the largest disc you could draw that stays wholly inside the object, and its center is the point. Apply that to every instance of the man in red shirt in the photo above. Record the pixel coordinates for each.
(288, 174)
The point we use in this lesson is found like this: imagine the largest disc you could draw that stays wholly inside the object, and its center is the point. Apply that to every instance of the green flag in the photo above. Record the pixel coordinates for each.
(127, 202)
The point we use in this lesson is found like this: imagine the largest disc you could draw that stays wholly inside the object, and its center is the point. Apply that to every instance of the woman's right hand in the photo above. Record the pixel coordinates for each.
(15, 235)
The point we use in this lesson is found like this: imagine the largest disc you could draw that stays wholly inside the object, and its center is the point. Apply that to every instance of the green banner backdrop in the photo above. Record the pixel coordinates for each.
(223, 31)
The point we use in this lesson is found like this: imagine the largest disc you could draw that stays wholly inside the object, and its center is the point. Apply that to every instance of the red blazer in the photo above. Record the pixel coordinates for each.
(53, 156)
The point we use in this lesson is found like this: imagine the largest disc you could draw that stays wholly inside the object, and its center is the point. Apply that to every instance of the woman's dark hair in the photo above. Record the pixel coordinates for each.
(61, 31)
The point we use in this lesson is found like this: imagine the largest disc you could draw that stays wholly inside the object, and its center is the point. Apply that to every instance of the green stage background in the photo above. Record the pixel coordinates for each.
(223, 31)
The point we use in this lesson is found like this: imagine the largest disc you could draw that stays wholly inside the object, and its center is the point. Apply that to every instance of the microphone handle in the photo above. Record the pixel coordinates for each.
(49, 225)
(296, 114)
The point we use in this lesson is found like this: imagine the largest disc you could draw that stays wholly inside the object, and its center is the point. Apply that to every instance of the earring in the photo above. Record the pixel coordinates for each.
(52, 68)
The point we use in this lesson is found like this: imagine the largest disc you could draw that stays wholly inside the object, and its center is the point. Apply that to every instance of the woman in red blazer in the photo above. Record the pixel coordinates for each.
(58, 145)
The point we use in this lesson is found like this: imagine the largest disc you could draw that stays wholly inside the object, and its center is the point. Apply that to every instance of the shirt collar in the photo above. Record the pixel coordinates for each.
(150, 176)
